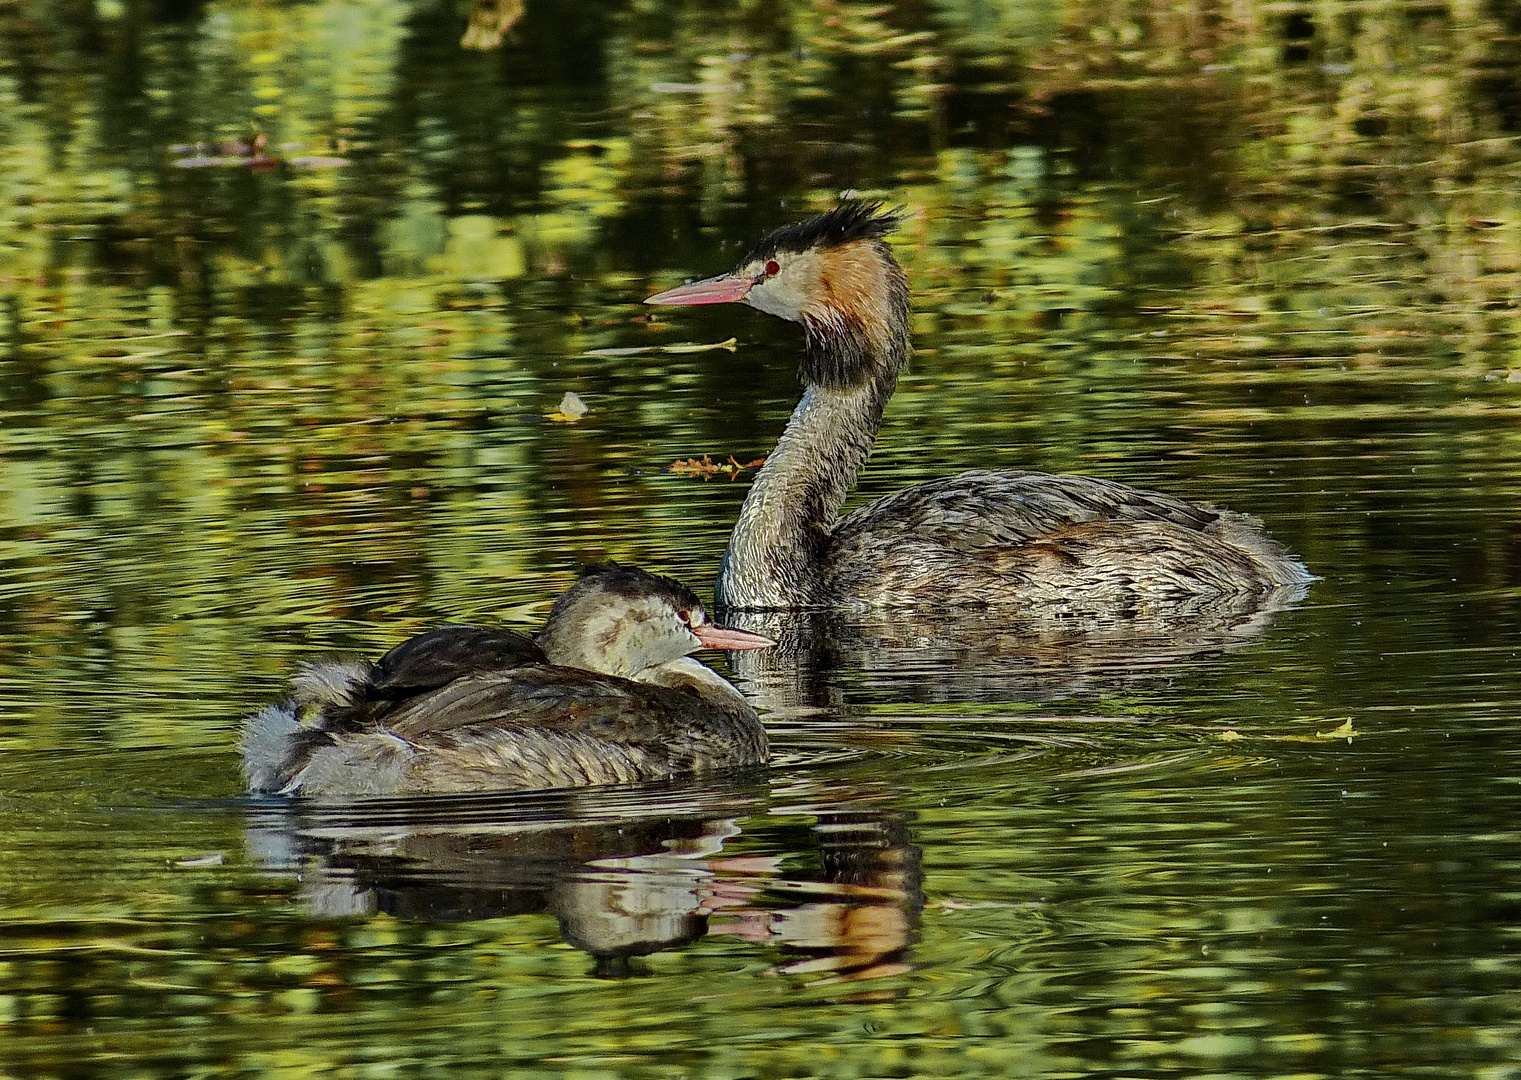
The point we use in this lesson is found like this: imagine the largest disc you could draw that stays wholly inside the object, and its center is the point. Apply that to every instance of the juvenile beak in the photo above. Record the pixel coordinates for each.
(723, 289)
(714, 636)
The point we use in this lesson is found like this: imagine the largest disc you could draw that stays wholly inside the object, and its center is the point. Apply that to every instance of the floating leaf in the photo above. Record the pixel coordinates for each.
(948, 906)
(1231, 735)
(707, 468)
(1344, 731)
(731, 345)
(570, 409)
(252, 152)
(200, 862)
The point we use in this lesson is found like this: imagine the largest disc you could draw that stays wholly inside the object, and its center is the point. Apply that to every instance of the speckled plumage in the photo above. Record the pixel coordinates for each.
(1072, 541)
(982, 537)
(607, 695)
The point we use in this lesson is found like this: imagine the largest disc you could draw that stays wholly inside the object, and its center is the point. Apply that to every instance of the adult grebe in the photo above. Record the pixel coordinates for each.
(609, 693)
(978, 538)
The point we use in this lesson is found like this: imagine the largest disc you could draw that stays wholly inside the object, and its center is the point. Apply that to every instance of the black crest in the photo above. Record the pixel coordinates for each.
(851, 220)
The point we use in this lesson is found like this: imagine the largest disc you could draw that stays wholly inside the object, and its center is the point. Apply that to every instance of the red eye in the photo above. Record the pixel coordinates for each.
(773, 268)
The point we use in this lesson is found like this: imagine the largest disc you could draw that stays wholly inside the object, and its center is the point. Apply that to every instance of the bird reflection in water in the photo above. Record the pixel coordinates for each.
(823, 659)
(626, 872)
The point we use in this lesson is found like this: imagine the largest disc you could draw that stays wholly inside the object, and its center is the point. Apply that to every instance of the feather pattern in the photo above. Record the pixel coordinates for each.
(470, 708)
(982, 537)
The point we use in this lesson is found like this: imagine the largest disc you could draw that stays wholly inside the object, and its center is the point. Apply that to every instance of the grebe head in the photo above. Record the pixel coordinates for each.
(834, 275)
(620, 620)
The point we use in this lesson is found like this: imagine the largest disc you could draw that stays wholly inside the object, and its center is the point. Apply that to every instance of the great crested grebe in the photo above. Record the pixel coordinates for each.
(608, 693)
(977, 538)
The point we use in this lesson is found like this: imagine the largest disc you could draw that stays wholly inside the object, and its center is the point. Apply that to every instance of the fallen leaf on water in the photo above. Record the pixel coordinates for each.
(731, 345)
(707, 468)
(948, 906)
(252, 152)
(1344, 731)
(1231, 735)
(200, 862)
(570, 409)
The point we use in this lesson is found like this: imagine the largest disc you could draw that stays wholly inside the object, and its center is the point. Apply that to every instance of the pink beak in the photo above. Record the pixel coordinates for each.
(722, 289)
(714, 636)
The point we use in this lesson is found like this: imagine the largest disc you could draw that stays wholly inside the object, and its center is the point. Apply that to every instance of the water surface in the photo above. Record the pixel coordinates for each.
(261, 398)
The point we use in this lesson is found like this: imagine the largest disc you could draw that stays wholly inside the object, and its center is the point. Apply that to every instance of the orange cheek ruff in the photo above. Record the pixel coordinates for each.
(851, 281)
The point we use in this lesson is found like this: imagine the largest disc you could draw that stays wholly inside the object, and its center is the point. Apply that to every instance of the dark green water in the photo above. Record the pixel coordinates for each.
(259, 402)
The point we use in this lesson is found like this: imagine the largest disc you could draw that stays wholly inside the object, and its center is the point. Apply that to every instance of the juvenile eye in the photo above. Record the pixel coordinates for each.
(773, 268)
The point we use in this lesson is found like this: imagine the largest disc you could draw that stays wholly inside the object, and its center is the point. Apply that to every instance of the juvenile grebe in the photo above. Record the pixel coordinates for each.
(978, 538)
(608, 693)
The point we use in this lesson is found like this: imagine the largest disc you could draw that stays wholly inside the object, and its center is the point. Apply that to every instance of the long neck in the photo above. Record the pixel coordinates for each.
(778, 554)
